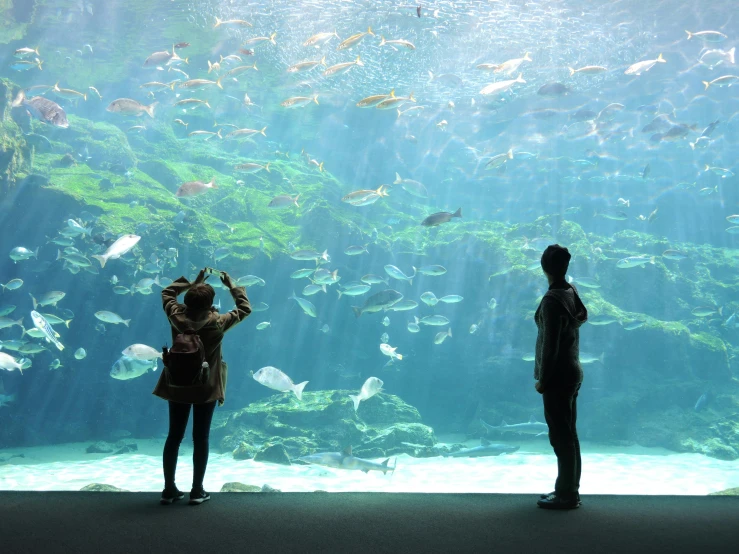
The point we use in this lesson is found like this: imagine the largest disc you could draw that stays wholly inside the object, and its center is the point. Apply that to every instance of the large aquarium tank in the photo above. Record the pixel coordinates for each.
(382, 177)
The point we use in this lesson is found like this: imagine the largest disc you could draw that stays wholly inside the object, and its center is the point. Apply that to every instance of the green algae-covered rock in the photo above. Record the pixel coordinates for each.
(244, 451)
(726, 492)
(326, 421)
(102, 487)
(235, 486)
(273, 454)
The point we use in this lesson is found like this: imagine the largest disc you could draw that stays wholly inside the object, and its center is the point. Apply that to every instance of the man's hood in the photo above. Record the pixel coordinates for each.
(571, 302)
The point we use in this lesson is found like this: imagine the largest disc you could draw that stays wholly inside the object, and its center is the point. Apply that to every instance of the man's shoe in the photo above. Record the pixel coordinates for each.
(198, 496)
(553, 493)
(557, 502)
(170, 495)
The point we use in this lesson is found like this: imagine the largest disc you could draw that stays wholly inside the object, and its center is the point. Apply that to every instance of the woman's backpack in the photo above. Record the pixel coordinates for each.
(185, 363)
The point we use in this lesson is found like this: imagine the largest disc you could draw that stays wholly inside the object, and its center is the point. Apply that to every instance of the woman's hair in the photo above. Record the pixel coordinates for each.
(199, 297)
(555, 260)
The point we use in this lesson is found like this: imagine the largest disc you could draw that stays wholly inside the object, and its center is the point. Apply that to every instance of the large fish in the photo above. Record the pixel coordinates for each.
(277, 380)
(345, 460)
(126, 368)
(533, 427)
(42, 109)
(42, 325)
(440, 217)
(486, 448)
(379, 301)
(118, 248)
(371, 387)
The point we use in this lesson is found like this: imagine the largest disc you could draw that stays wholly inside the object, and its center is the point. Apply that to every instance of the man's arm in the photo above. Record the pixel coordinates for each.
(239, 313)
(551, 316)
(169, 294)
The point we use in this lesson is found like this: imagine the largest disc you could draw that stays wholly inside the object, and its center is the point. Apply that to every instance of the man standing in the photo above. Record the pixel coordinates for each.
(559, 375)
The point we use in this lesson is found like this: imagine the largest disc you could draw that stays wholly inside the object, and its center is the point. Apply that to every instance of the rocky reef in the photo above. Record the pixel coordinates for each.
(281, 429)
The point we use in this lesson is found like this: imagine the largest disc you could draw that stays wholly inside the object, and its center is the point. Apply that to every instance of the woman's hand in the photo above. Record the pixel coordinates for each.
(226, 280)
(201, 277)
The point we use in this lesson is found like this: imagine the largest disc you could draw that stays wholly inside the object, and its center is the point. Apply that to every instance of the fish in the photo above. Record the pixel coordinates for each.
(340, 68)
(499, 160)
(586, 358)
(306, 65)
(23, 52)
(434, 270)
(435, 320)
(25, 65)
(587, 70)
(120, 247)
(442, 335)
(365, 197)
(13, 284)
(257, 40)
(411, 187)
(397, 273)
(397, 42)
(195, 188)
(305, 255)
(352, 40)
(304, 304)
(45, 328)
(263, 325)
(392, 101)
(708, 36)
(390, 351)
(110, 317)
(126, 106)
(723, 81)
(252, 167)
(163, 58)
(80, 354)
(602, 319)
(9, 363)
(429, 298)
(320, 38)
(42, 109)
(451, 299)
(284, 201)
(486, 448)
(553, 89)
(640, 67)
(712, 58)
(371, 387)
(373, 100)
(197, 84)
(231, 23)
(532, 427)
(509, 67)
(275, 379)
(501, 86)
(141, 352)
(125, 368)
(635, 261)
(379, 301)
(440, 217)
(247, 133)
(299, 101)
(345, 460)
(47, 299)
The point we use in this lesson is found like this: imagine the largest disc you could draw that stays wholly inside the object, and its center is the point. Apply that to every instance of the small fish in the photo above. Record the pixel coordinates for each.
(588, 70)
(299, 101)
(277, 380)
(440, 217)
(708, 36)
(263, 325)
(442, 335)
(284, 201)
(195, 188)
(126, 106)
(110, 317)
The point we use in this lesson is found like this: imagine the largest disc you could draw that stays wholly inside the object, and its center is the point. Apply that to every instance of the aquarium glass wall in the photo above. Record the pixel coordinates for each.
(382, 177)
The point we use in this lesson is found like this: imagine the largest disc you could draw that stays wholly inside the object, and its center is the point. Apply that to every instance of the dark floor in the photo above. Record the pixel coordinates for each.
(103, 523)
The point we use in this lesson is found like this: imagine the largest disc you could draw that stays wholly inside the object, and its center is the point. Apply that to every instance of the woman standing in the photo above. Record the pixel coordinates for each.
(198, 314)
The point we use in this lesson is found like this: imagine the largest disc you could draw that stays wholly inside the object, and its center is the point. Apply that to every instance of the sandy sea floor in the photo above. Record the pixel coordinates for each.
(606, 470)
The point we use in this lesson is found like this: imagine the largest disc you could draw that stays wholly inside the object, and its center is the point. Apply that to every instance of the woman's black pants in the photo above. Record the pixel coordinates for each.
(178, 415)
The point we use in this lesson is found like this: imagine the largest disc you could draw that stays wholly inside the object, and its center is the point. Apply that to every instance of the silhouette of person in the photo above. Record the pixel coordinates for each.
(199, 314)
(559, 375)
